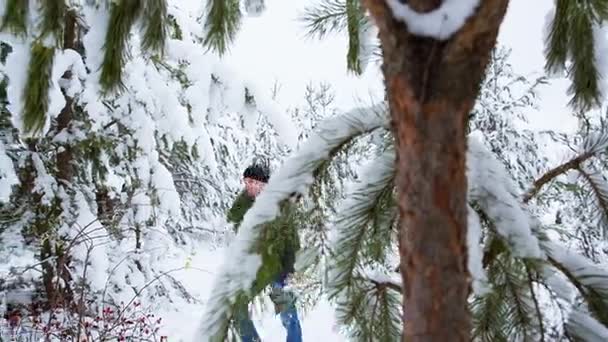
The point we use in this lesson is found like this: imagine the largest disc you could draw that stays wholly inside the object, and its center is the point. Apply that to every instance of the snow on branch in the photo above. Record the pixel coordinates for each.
(585, 328)
(588, 278)
(475, 253)
(382, 279)
(371, 309)
(595, 142)
(8, 176)
(440, 23)
(578, 268)
(242, 264)
(491, 187)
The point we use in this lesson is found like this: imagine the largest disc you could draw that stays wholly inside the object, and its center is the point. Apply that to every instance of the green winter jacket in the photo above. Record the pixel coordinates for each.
(280, 237)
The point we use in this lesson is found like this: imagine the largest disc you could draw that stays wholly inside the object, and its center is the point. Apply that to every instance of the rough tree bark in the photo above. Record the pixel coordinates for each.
(56, 260)
(432, 86)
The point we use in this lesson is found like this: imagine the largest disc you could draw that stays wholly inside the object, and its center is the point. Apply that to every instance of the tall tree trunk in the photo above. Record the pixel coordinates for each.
(432, 86)
(64, 119)
(64, 177)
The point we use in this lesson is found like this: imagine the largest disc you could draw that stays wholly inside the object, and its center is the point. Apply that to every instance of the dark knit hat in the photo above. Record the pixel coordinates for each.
(258, 172)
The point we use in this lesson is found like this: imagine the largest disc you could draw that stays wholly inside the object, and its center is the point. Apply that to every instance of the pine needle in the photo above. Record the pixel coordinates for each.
(599, 8)
(364, 223)
(584, 88)
(123, 15)
(371, 312)
(599, 188)
(355, 21)
(155, 20)
(330, 16)
(556, 46)
(222, 24)
(571, 37)
(15, 17)
(507, 311)
(53, 17)
(36, 94)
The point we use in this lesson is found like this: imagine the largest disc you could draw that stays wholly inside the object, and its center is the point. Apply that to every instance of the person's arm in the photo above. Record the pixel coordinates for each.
(240, 206)
(231, 216)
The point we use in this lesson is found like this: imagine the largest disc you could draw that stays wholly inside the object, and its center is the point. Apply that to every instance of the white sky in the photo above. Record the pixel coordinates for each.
(272, 48)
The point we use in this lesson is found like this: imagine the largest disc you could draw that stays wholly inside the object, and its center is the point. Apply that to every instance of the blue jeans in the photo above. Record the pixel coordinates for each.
(289, 319)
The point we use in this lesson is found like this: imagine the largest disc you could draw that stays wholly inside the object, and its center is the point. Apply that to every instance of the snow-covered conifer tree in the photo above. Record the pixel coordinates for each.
(431, 122)
(122, 139)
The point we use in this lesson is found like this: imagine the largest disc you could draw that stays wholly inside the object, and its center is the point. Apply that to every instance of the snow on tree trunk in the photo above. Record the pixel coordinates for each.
(432, 84)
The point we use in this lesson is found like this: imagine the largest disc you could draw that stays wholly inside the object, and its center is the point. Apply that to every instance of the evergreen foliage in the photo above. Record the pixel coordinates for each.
(39, 80)
(222, 23)
(515, 297)
(15, 17)
(96, 190)
(53, 14)
(333, 16)
(154, 16)
(571, 38)
(123, 15)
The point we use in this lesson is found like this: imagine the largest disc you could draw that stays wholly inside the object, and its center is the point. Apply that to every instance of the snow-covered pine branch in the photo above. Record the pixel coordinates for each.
(475, 253)
(366, 215)
(507, 310)
(576, 42)
(292, 179)
(490, 187)
(370, 310)
(588, 278)
(363, 233)
(133, 155)
(584, 327)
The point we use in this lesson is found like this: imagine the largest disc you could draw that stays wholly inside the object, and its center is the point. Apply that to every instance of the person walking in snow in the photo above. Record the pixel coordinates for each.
(285, 242)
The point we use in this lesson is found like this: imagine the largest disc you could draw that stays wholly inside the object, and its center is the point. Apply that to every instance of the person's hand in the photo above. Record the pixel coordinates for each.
(282, 298)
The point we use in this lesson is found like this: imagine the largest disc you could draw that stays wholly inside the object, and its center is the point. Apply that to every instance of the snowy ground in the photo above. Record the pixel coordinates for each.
(318, 324)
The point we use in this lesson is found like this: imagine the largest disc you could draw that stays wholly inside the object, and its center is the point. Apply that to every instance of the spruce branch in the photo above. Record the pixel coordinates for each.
(223, 19)
(36, 93)
(53, 17)
(329, 16)
(154, 17)
(123, 15)
(15, 17)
